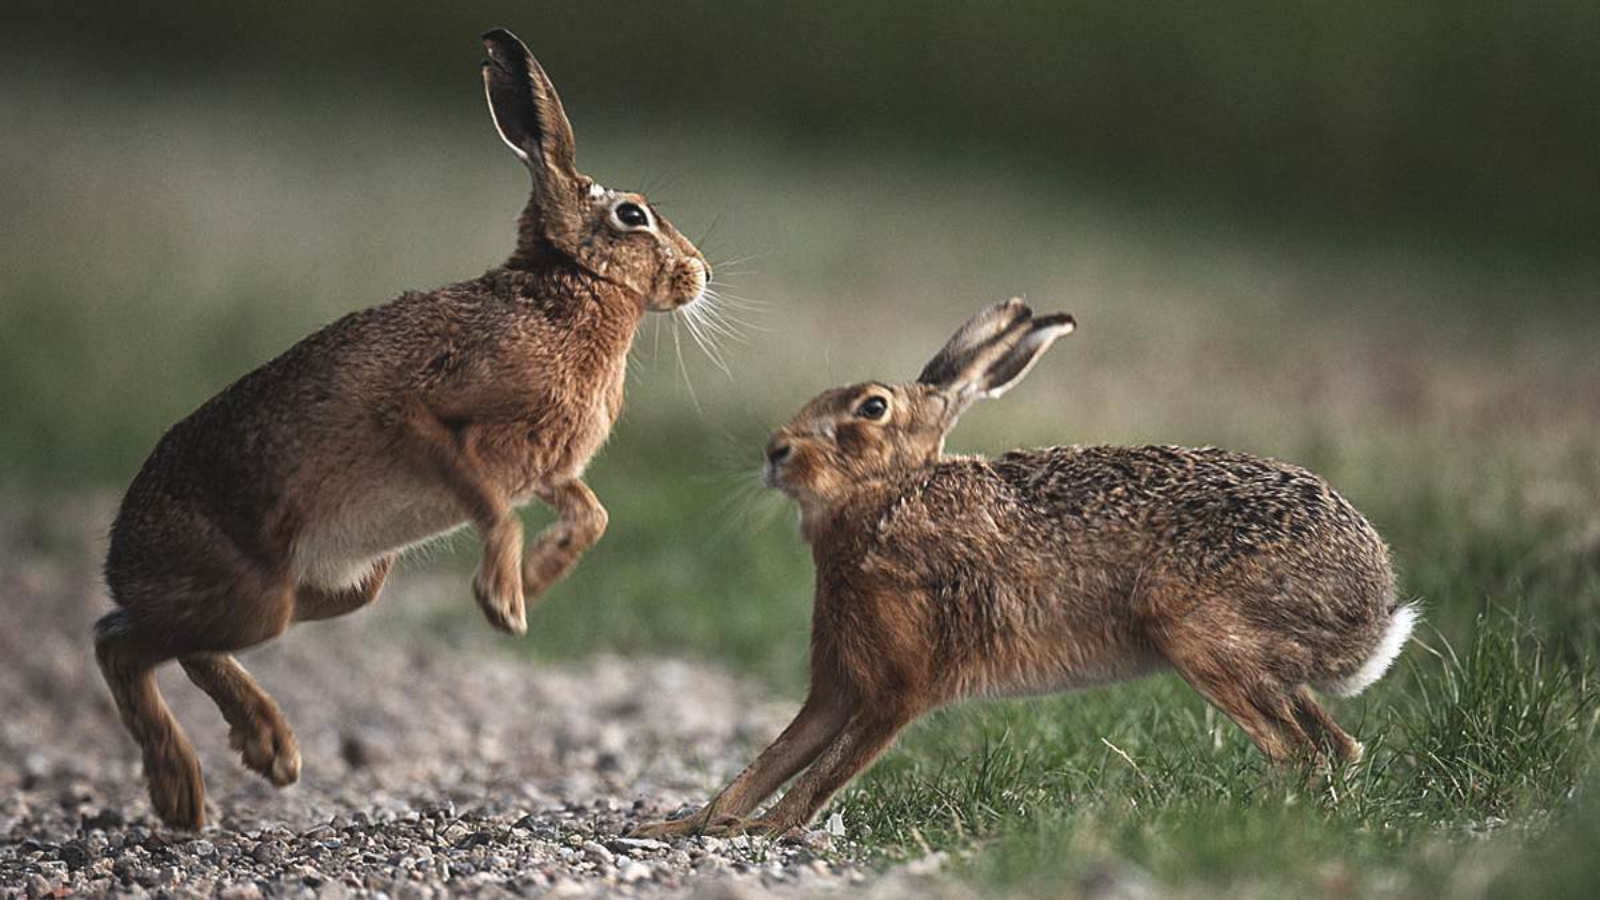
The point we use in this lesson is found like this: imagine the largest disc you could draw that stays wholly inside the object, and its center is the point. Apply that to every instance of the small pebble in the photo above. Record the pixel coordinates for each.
(599, 853)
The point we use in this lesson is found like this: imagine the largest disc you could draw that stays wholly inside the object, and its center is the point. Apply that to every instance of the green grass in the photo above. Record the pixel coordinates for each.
(1454, 403)
(1151, 776)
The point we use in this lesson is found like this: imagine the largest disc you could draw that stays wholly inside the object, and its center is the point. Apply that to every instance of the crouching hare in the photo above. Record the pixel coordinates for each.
(287, 497)
(945, 577)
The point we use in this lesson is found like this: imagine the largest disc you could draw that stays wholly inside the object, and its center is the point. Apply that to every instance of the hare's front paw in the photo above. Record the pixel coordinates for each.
(545, 562)
(499, 592)
(669, 829)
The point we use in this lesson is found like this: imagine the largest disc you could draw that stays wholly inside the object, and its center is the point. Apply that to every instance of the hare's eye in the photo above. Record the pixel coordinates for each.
(872, 408)
(631, 215)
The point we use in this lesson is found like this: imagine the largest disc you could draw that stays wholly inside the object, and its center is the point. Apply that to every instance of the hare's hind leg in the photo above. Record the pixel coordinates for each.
(244, 609)
(312, 603)
(1321, 726)
(256, 726)
(1249, 697)
(128, 660)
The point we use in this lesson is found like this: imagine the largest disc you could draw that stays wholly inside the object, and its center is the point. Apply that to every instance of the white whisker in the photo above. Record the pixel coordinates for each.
(715, 322)
(737, 324)
(683, 369)
(693, 321)
(738, 302)
(751, 257)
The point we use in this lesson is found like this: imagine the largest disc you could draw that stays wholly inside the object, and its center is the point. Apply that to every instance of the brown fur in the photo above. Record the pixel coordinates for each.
(288, 496)
(941, 578)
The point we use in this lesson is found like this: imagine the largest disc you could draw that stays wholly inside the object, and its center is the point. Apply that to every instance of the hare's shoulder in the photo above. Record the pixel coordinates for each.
(931, 501)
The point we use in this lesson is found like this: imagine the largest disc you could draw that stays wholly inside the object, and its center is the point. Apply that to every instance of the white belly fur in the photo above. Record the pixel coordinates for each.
(339, 549)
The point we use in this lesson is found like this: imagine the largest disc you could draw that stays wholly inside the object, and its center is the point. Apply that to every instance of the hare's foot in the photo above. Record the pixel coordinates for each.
(498, 583)
(256, 726)
(177, 789)
(268, 747)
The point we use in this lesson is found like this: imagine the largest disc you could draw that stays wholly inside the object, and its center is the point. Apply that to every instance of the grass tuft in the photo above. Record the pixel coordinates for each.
(1460, 746)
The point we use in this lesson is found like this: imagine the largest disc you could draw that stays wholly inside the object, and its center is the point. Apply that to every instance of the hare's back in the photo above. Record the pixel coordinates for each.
(274, 451)
(1207, 511)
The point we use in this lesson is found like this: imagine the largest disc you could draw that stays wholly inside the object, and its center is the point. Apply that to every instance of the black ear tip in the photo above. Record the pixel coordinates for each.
(503, 46)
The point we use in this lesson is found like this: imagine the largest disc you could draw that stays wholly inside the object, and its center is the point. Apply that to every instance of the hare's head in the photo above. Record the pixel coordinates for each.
(851, 435)
(616, 235)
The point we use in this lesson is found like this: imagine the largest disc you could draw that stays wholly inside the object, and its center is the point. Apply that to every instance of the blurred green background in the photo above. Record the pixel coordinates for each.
(1464, 115)
(1357, 236)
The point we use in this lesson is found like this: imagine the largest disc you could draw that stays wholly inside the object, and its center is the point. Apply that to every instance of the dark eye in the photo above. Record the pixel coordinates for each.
(631, 215)
(872, 408)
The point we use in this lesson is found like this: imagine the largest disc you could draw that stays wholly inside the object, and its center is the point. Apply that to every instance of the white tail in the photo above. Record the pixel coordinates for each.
(1401, 622)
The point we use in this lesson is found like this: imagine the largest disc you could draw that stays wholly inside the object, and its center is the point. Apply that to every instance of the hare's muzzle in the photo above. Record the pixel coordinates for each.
(701, 278)
(777, 452)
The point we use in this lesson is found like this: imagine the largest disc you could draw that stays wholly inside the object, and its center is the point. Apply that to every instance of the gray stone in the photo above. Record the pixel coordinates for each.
(597, 852)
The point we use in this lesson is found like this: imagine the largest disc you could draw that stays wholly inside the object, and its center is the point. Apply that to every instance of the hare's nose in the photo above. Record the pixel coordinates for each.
(705, 269)
(777, 453)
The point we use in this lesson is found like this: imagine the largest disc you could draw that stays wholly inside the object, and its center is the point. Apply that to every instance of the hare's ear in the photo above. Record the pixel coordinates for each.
(527, 112)
(962, 359)
(991, 353)
(1004, 373)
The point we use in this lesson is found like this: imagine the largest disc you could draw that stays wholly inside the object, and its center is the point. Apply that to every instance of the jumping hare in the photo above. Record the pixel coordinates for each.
(288, 496)
(945, 577)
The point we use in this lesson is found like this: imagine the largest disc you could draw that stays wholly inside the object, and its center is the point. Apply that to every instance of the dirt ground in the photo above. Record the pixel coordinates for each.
(436, 761)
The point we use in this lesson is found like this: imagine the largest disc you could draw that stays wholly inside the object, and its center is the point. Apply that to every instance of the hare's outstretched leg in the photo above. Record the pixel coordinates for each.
(257, 729)
(1248, 703)
(818, 724)
(1265, 712)
(128, 660)
(869, 732)
(1321, 726)
(1279, 706)
(451, 455)
(312, 603)
(559, 547)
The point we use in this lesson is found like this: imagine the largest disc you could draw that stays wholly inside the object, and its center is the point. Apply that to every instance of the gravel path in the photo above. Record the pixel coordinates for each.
(434, 764)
